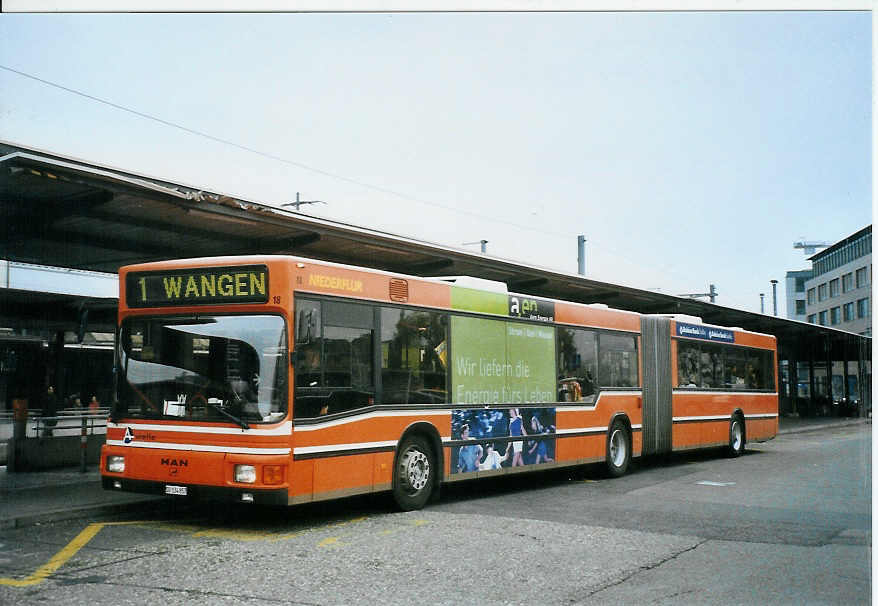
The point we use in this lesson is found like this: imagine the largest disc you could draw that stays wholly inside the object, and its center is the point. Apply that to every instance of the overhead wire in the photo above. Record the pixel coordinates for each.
(306, 167)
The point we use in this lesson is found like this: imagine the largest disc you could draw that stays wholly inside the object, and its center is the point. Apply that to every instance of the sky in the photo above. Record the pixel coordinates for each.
(690, 148)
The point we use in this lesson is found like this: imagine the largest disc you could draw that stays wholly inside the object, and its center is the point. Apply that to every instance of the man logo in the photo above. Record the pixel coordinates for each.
(129, 436)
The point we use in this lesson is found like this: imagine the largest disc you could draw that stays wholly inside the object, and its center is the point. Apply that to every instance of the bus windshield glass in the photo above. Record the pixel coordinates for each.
(230, 369)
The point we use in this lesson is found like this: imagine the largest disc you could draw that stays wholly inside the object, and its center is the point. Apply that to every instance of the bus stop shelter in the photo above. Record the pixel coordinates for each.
(64, 212)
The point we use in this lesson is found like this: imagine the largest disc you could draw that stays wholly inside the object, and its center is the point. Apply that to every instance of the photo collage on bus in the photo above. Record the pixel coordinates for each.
(502, 438)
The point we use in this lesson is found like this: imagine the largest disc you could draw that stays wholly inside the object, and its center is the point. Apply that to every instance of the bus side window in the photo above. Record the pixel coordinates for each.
(687, 364)
(768, 368)
(413, 360)
(618, 360)
(735, 368)
(577, 365)
(309, 344)
(308, 368)
(348, 363)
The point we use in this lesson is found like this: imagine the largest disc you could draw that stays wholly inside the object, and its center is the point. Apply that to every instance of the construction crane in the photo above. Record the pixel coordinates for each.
(809, 248)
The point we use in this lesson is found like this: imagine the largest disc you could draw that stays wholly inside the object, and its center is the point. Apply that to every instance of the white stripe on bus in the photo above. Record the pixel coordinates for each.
(304, 450)
(693, 392)
(724, 417)
(200, 447)
(561, 432)
(285, 429)
(704, 418)
(375, 414)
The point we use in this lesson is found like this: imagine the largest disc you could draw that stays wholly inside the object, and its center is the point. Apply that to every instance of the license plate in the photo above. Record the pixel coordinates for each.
(178, 490)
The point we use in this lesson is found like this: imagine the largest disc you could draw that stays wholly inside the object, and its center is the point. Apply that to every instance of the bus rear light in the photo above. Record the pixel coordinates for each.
(273, 474)
(246, 474)
(115, 464)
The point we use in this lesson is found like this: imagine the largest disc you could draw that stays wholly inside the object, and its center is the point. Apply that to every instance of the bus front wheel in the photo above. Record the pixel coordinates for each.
(414, 474)
(618, 449)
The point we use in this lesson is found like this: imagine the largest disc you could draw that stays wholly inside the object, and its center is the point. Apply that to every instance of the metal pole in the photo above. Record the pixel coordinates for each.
(484, 246)
(864, 391)
(580, 257)
(762, 302)
(713, 293)
(83, 445)
(774, 295)
(844, 374)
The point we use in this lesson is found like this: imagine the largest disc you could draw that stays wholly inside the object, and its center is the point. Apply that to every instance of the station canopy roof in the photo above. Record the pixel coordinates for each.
(65, 212)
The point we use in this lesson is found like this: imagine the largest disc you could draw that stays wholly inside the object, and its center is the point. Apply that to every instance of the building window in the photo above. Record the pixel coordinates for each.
(812, 296)
(847, 282)
(863, 308)
(812, 319)
(848, 311)
(835, 315)
(861, 277)
(800, 307)
(821, 292)
(833, 287)
(822, 318)
(800, 284)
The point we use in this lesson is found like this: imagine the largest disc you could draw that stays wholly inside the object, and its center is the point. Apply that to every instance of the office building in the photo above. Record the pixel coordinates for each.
(795, 291)
(838, 293)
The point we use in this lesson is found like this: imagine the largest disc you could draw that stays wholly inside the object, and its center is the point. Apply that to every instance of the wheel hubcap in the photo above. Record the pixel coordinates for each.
(737, 438)
(618, 448)
(416, 469)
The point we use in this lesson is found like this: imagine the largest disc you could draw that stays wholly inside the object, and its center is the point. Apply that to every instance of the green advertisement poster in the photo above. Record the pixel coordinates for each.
(498, 362)
(530, 352)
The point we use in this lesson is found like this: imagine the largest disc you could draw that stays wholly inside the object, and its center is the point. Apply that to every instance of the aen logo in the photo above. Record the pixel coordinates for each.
(129, 436)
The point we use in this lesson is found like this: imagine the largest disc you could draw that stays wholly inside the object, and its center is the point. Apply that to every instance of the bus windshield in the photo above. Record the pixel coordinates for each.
(203, 368)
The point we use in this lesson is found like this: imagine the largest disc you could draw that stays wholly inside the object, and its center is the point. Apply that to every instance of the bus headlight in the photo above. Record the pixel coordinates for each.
(115, 463)
(245, 474)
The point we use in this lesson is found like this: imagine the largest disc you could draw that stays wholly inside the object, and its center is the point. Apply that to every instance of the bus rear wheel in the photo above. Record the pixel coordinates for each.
(618, 449)
(737, 438)
(414, 474)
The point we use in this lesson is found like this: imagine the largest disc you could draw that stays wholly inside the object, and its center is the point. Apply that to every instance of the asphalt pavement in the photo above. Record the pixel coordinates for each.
(31, 498)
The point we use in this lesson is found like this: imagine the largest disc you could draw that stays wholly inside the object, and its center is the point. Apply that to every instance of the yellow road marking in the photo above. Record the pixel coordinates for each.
(57, 560)
(60, 558)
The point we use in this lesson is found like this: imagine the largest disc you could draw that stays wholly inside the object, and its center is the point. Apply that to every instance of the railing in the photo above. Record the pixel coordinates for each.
(68, 423)
(35, 414)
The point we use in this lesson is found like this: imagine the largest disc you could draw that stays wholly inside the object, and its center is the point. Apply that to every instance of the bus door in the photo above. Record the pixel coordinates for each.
(657, 413)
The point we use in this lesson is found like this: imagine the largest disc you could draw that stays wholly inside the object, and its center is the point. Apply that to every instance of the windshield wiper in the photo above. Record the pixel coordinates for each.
(226, 413)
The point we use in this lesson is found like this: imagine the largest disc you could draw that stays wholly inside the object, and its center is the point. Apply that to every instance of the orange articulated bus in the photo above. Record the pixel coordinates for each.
(282, 380)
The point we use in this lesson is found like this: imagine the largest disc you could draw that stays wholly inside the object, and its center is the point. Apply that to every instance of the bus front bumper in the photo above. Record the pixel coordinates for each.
(196, 492)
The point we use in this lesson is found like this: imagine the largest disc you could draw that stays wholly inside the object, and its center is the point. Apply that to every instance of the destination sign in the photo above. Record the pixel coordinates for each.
(708, 333)
(201, 286)
(534, 309)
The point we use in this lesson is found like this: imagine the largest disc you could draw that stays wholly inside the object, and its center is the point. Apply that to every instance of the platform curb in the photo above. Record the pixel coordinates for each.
(823, 426)
(84, 511)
